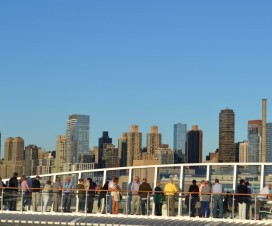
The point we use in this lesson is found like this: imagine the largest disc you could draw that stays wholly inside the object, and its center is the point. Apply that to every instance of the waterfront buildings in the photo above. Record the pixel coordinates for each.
(226, 136)
(31, 160)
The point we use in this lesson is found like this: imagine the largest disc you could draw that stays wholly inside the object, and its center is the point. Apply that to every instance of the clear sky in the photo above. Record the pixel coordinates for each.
(132, 62)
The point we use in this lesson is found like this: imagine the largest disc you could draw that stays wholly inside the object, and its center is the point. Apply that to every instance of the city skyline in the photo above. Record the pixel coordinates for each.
(145, 63)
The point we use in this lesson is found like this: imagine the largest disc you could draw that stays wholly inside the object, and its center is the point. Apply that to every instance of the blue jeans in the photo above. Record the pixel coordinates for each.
(218, 204)
(66, 202)
(193, 204)
(205, 208)
(81, 204)
(110, 203)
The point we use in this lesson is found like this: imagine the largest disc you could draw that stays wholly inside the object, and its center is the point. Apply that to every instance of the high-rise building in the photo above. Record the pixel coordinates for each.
(122, 150)
(180, 131)
(226, 136)
(14, 157)
(194, 145)
(61, 147)
(134, 145)
(269, 142)
(105, 139)
(254, 140)
(31, 159)
(153, 141)
(110, 156)
(77, 133)
(243, 151)
(164, 155)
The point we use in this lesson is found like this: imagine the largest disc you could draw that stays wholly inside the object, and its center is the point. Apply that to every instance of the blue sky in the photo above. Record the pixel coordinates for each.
(132, 62)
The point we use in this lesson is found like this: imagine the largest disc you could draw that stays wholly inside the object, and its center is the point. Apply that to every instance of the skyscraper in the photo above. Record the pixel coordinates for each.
(226, 136)
(77, 133)
(134, 145)
(243, 151)
(180, 131)
(61, 147)
(194, 145)
(14, 157)
(122, 150)
(254, 140)
(153, 141)
(105, 139)
(31, 159)
(269, 142)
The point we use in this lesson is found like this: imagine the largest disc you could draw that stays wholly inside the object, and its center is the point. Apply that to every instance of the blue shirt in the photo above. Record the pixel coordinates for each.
(67, 187)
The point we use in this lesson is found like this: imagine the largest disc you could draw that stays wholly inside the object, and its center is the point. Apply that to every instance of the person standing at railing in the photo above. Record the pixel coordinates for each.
(206, 199)
(56, 194)
(13, 185)
(217, 190)
(248, 206)
(115, 195)
(262, 198)
(109, 195)
(194, 192)
(135, 204)
(25, 191)
(36, 188)
(144, 192)
(67, 192)
(242, 199)
(47, 192)
(202, 184)
(170, 191)
(81, 193)
(101, 204)
(91, 188)
(158, 199)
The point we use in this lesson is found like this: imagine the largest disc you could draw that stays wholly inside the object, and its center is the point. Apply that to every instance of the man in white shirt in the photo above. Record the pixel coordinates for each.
(135, 196)
(261, 199)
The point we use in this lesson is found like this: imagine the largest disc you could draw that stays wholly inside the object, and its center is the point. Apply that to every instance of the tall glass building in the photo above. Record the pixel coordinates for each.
(180, 131)
(78, 132)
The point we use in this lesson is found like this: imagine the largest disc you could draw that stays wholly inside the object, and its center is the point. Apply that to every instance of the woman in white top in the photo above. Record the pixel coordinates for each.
(115, 195)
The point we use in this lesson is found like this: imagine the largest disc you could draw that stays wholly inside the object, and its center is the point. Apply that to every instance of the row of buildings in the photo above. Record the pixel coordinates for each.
(73, 152)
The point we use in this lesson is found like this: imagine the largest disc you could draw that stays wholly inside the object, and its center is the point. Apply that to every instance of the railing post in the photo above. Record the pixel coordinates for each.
(127, 204)
(2, 200)
(211, 209)
(42, 204)
(255, 208)
(22, 200)
(190, 199)
(180, 203)
(86, 200)
(168, 206)
(233, 204)
(61, 202)
(106, 209)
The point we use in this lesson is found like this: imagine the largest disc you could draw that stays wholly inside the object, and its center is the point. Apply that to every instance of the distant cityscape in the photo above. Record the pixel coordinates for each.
(73, 151)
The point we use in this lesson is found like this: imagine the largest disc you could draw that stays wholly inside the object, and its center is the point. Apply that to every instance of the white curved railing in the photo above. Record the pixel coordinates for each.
(229, 174)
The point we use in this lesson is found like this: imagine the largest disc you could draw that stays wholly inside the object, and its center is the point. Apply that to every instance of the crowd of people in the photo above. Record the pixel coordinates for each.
(138, 196)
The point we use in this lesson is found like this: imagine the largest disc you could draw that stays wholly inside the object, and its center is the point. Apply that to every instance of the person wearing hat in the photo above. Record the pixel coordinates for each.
(36, 188)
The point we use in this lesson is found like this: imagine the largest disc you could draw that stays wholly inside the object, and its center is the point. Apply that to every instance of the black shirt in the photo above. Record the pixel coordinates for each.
(36, 184)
